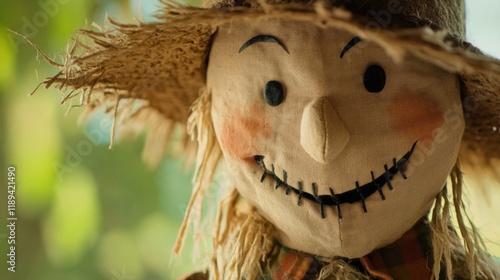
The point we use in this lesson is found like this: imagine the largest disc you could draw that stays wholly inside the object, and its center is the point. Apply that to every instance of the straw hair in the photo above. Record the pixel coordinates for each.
(468, 259)
(243, 241)
(339, 269)
(207, 158)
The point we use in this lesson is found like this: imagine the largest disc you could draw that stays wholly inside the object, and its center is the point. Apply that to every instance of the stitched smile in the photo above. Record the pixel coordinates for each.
(358, 194)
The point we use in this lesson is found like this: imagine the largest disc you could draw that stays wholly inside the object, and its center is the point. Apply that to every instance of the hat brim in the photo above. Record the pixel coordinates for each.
(163, 65)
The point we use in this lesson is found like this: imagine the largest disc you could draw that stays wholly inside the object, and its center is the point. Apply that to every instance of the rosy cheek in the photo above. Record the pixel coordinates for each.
(241, 134)
(415, 115)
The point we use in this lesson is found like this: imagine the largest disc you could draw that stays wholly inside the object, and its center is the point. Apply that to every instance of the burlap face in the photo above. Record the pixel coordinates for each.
(331, 133)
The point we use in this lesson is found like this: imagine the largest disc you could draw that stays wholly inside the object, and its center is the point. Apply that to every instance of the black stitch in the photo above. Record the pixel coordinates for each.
(334, 197)
(387, 177)
(321, 210)
(263, 176)
(315, 191)
(275, 177)
(402, 171)
(378, 186)
(336, 201)
(400, 167)
(259, 160)
(288, 187)
(361, 197)
(299, 202)
(404, 160)
(318, 199)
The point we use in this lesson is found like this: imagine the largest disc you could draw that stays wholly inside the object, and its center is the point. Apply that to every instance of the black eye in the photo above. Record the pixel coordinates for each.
(374, 78)
(274, 93)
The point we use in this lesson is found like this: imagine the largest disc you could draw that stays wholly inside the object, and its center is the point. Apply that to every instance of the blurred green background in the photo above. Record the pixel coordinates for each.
(85, 212)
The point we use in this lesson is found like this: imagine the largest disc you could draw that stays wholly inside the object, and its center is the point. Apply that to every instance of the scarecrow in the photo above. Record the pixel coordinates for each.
(338, 124)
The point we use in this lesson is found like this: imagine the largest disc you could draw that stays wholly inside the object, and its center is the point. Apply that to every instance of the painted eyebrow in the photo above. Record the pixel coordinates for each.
(264, 39)
(349, 45)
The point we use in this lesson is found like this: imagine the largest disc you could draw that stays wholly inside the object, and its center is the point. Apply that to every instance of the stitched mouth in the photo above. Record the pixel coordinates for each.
(357, 194)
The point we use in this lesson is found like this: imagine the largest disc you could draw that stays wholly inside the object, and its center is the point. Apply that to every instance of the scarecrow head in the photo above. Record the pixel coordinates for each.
(320, 129)
(338, 123)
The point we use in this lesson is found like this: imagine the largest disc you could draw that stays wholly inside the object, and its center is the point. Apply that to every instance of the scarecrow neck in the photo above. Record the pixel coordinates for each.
(410, 257)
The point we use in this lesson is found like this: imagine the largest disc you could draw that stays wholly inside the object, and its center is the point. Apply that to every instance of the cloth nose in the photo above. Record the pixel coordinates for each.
(323, 134)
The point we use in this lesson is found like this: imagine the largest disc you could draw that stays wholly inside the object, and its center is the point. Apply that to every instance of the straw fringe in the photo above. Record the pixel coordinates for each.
(480, 263)
(104, 70)
(339, 269)
(444, 239)
(165, 136)
(243, 240)
(207, 158)
(470, 261)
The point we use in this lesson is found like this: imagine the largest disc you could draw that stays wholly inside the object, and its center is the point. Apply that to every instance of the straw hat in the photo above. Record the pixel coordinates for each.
(163, 64)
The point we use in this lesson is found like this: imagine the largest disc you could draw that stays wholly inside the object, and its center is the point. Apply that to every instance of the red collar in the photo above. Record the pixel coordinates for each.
(407, 258)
